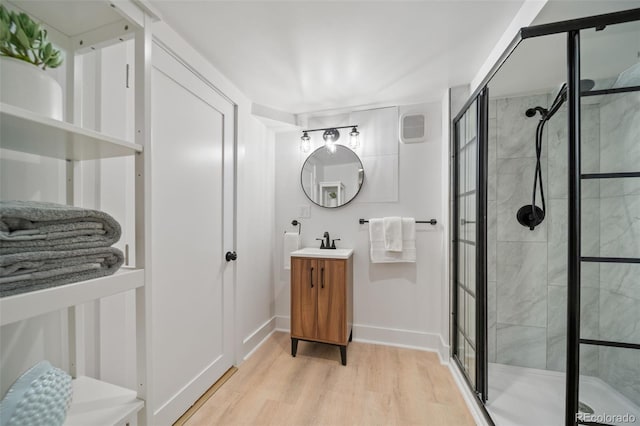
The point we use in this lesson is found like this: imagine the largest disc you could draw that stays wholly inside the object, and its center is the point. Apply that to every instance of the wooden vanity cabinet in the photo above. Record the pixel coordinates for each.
(322, 302)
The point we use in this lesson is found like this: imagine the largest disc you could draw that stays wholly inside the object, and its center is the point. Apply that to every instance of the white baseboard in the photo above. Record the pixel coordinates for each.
(445, 352)
(467, 395)
(431, 342)
(252, 342)
(283, 324)
(180, 402)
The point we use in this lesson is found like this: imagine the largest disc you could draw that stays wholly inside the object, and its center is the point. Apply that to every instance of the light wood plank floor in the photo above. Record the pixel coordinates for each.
(380, 385)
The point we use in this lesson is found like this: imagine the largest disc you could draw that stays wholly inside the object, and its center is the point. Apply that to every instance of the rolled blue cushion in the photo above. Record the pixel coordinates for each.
(40, 397)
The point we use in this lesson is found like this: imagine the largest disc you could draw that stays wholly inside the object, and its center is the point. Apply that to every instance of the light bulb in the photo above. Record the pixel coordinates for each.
(305, 142)
(354, 138)
(331, 135)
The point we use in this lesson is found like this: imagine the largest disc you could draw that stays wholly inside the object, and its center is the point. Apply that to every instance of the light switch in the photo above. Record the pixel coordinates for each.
(304, 211)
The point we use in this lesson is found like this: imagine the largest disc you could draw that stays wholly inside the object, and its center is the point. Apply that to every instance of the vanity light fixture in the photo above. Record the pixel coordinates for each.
(305, 142)
(354, 138)
(330, 136)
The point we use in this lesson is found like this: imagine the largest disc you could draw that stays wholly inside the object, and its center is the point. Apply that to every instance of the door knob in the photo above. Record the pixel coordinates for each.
(231, 255)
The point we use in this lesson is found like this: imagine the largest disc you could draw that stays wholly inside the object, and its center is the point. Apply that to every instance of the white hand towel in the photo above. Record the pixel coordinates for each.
(408, 229)
(291, 243)
(408, 239)
(392, 233)
(376, 238)
(378, 253)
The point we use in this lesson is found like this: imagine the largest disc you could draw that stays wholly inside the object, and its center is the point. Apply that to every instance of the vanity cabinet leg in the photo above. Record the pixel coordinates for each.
(294, 346)
(343, 354)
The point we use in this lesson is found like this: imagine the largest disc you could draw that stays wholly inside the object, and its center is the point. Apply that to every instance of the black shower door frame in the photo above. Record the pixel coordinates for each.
(481, 157)
(572, 29)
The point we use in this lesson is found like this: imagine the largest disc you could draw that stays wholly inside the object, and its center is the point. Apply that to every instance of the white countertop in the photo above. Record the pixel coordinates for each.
(340, 253)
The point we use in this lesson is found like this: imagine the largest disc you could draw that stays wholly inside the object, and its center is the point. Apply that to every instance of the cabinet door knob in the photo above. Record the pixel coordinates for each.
(231, 255)
(311, 277)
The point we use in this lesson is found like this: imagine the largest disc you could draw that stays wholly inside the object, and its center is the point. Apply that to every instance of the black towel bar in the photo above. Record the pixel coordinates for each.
(431, 222)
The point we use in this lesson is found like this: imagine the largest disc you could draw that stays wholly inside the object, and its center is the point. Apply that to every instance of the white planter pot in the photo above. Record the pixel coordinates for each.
(26, 86)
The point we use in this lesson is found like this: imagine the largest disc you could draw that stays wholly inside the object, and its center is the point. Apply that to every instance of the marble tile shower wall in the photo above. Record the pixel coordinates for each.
(517, 270)
(619, 309)
(527, 269)
(557, 255)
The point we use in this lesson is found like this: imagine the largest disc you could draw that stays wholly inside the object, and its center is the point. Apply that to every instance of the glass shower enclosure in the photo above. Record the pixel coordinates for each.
(546, 227)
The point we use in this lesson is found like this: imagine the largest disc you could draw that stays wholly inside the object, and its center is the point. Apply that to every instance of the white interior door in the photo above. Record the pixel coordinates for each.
(192, 215)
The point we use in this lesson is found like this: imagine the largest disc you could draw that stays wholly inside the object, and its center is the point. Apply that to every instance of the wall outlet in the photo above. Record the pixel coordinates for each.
(304, 211)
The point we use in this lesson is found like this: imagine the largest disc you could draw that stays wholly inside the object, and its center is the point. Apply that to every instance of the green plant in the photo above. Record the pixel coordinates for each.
(333, 195)
(24, 39)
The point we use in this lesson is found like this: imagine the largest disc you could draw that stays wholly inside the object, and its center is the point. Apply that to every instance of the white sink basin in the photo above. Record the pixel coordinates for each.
(340, 253)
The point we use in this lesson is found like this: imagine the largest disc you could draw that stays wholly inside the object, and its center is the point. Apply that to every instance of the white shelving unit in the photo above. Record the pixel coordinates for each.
(25, 131)
(100, 403)
(327, 188)
(78, 27)
(26, 305)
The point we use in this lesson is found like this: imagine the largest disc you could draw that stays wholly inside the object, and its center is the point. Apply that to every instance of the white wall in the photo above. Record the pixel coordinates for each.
(445, 197)
(525, 16)
(393, 303)
(256, 212)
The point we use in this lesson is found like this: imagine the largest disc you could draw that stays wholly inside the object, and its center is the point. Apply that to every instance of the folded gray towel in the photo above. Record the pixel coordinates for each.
(29, 271)
(27, 226)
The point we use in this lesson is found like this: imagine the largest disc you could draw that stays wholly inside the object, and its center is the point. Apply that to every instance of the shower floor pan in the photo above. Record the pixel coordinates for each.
(521, 396)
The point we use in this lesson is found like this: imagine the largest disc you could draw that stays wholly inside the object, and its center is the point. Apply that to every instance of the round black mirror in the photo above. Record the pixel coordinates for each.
(332, 178)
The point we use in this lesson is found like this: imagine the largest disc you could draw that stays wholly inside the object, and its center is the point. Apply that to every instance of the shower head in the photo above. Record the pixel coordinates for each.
(561, 97)
(586, 85)
(532, 111)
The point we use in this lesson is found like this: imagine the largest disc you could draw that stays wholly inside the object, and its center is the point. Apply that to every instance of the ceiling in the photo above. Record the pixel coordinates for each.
(308, 56)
